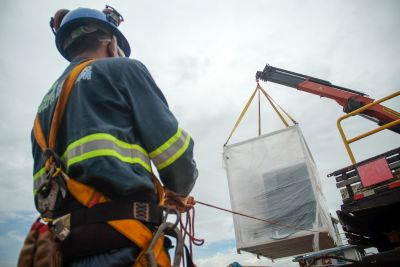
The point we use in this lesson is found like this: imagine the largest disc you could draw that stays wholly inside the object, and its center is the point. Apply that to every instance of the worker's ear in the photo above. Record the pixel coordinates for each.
(112, 48)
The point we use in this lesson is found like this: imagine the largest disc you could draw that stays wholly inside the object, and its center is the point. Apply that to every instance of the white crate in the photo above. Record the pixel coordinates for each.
(274, 177)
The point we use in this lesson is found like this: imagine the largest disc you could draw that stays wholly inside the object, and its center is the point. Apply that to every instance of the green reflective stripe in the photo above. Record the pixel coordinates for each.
(39, 173)
(105, 144)
(102, 136)
(108, 152)
(173, 153)
(167, 152)
(38, 179)
(167, 144)
(102, 144)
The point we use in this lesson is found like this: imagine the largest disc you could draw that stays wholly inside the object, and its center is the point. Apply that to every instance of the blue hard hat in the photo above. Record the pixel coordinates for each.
(72, 20)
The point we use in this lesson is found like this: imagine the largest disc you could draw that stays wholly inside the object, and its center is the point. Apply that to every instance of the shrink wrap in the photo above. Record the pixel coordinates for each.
(274, 177)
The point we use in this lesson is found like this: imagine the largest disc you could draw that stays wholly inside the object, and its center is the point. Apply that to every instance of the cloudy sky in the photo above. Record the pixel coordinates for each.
(204, 56)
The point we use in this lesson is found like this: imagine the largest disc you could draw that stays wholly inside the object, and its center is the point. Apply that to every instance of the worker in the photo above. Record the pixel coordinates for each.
(116, 125)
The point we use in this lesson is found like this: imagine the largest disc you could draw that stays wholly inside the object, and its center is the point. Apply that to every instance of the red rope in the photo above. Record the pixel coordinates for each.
(186, 225)
(188, 230)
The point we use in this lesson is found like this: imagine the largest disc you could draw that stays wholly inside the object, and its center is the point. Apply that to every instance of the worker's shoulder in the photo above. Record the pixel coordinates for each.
(121, 64)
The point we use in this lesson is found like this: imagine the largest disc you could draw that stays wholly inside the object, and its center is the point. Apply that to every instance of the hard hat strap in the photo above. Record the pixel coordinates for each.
(81, 31)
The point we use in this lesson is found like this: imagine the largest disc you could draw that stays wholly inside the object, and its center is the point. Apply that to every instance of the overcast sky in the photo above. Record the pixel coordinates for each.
(204, 56)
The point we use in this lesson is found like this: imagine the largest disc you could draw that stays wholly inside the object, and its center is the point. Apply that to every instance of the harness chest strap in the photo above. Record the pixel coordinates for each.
(134, 230)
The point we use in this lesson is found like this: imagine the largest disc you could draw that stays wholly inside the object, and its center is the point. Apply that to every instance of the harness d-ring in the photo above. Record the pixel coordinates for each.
(179, 244)
(171, 211)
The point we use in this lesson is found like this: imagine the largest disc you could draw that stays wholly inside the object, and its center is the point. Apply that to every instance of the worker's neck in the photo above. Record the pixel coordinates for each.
(93, 54)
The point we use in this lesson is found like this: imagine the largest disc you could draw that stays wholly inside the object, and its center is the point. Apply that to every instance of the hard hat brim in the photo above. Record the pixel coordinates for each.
(72, 24)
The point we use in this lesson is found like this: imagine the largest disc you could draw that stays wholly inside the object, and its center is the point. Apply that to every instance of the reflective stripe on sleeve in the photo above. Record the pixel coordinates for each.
(171, 150)
(102, 144)
(38, 178)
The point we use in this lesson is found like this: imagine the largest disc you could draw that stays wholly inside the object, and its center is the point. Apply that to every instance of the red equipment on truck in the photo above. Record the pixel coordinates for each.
(370, 189)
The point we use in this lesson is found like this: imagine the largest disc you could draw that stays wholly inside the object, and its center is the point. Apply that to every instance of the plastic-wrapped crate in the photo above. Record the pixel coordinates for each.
(274, 177)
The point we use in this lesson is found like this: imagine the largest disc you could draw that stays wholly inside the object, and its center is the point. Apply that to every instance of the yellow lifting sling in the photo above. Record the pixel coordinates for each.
(134, 230)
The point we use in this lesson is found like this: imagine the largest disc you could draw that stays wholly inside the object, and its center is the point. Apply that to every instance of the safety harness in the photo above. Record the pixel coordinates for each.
(124, 217)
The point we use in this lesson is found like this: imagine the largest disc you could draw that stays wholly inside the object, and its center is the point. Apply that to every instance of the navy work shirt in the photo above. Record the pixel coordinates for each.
(116, 125)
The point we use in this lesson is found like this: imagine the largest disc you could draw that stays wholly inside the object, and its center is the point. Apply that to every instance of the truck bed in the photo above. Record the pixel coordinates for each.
(369, 213)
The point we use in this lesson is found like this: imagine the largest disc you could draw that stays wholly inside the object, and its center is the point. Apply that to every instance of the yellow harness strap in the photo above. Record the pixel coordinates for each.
(274, 105)
(134, 230)
(242, 114)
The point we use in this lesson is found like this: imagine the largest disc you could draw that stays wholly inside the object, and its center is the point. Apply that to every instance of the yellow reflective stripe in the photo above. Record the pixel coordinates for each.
(176, 155)
(107, 152)
(39, 173)
(103, 144)
(36, 179)
(167, 144)
(102, 136)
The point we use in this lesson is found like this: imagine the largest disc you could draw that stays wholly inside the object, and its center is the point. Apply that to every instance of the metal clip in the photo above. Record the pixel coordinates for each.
(168, 211)
(62, 227)
(179, 245)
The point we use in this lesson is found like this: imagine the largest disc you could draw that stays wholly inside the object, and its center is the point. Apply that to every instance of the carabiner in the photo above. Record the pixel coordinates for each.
(168, 211)
(179, 245)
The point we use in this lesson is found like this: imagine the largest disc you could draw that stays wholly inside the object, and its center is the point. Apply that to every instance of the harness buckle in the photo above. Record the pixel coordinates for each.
(62, 227)
(141, 211)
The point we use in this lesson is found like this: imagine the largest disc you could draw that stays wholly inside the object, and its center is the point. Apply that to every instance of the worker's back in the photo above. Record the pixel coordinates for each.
(116, 116)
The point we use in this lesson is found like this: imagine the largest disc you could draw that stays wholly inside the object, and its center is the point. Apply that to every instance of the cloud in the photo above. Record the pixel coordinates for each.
(204, 56)
(229, 256)
(14, 235)
(14, 227)
(7, 217)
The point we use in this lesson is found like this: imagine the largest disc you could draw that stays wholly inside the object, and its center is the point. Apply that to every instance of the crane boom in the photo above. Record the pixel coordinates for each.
(349, 99)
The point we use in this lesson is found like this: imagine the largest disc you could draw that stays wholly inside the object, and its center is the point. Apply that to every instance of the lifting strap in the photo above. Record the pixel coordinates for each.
(134, 230)
(274, 105)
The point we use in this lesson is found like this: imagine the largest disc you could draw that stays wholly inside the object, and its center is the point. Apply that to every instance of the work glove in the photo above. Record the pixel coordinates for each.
(180, 203)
